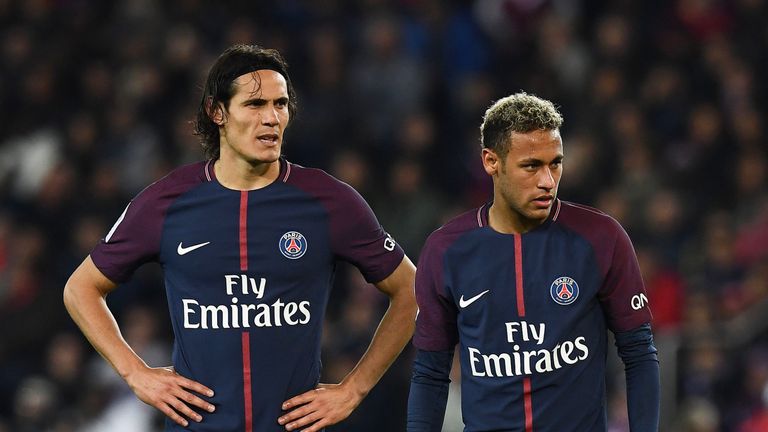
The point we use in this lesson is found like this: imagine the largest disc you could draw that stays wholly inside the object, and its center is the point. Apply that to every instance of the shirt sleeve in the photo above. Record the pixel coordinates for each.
(436, 328)
(641, 367)
(429, 390)
(133, 240)
(359, 238)
(623, 295)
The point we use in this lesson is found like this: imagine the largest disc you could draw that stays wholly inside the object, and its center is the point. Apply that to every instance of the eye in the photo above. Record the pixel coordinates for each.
(281, 103)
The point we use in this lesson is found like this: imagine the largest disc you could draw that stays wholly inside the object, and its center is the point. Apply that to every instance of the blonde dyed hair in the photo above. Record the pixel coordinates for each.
(520, 112)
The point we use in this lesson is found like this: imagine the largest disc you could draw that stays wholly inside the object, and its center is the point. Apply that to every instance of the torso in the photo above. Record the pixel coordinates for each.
(530, 319)
(247, 276)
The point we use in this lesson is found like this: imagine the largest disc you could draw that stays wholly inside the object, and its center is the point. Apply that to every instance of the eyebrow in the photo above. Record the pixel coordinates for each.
(262, 101)
(557, 158)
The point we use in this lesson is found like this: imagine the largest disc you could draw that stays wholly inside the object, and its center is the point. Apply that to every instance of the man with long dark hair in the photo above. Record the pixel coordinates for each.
(248, 243)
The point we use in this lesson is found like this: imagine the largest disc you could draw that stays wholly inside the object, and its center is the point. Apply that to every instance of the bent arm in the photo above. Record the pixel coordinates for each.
(641, 366)
(85, 299)
(330, 404)
(394, 330)
(429, 390)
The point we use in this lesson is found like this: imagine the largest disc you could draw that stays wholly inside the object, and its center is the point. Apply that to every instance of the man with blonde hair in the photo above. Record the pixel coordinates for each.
(527, 285)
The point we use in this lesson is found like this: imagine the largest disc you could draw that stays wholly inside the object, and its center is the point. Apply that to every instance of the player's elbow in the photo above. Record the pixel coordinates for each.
(405, 301)
(408, 310)
(412, 306)
(70, 294)
(79, 288)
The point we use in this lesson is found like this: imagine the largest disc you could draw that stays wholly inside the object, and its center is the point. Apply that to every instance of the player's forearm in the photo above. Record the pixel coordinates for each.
(637, 351)
(429, 390)
(393, 333)
(643, 396)
(88, 308)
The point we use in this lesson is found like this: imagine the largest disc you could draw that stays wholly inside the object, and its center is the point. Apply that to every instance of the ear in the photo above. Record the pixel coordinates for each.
(491, 161)
(216, 113)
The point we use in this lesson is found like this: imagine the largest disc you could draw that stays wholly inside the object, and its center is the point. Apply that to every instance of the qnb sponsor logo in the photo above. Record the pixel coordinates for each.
(638, 301)
(389, 243)
(518, 362)
(245, 314)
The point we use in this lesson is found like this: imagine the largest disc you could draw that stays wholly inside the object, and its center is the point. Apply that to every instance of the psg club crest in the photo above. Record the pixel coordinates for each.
(564, 290)
(293, 245)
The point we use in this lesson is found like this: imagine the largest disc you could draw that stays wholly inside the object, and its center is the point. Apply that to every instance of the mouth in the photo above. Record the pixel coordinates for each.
(543, 201)
(269, 139)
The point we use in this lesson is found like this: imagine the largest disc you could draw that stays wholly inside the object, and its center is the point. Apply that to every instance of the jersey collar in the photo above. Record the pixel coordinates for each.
(483, 212)
(285, 170)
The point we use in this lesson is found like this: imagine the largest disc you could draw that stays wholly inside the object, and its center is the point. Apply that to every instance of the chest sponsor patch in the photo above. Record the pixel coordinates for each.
(293, 245)
(564, 290)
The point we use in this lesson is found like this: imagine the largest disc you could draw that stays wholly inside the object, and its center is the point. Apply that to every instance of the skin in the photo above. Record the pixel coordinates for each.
(85, 299)
(525, 181)
(251, 128)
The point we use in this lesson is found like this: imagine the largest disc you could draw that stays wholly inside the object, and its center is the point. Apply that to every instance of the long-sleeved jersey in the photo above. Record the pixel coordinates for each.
(530, 314)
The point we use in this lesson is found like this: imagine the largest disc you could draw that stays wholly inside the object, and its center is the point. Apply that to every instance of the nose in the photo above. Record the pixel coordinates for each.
(269, 116)
(546, 179)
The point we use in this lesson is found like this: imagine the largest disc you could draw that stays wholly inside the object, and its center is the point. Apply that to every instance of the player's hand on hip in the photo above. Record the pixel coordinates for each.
(170, 393)
(324, 406)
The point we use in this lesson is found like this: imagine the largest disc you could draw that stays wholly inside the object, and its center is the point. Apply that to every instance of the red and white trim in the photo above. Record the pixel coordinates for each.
(208, 175)
(287, 171)
(480, 215)
(557, 212)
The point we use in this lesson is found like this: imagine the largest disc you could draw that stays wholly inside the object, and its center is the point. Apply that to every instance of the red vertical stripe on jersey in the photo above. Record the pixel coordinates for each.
(244, 230)
(519, 275)
(528, 404)
(247, 382)
(527, 401)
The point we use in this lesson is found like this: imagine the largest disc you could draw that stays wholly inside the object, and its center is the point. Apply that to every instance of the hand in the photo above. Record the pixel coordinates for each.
(326, 405)
(169, 392)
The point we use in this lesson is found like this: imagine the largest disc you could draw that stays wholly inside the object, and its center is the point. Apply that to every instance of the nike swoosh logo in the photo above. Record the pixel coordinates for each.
(185, 250)
(464, 303)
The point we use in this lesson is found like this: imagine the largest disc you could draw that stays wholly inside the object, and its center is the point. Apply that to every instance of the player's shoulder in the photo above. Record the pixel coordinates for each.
(457, 225)
(442, 238)
(318, 183)
(177, 181)
(303, 176)
(588, 221)
(193, 173)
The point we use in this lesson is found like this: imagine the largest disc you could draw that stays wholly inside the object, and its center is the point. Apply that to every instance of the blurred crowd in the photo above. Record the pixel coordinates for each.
(665, 130)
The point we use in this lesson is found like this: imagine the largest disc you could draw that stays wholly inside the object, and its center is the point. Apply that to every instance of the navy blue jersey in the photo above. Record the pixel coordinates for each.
(247, 277)
(530, 313)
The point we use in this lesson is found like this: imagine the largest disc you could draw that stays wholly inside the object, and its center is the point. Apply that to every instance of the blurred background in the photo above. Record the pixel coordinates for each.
(665, 115)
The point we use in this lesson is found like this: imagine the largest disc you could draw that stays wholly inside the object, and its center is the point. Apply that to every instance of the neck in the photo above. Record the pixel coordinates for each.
(238, 174)
(505, 220)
